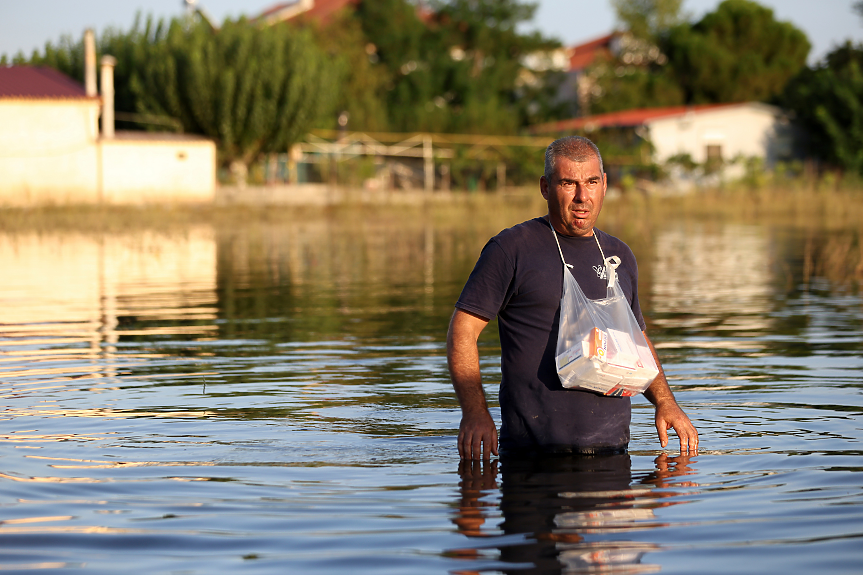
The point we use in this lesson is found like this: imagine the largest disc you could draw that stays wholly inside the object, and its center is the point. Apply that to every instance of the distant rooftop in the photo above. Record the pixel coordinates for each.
(583, 55)
(622, 119)
(29, 82)
(321, 10)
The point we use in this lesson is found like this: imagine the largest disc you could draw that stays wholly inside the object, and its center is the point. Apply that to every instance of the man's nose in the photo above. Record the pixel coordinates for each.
(578, 194)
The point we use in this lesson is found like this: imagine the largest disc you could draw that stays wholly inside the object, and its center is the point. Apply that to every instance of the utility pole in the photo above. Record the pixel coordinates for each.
(428, 163)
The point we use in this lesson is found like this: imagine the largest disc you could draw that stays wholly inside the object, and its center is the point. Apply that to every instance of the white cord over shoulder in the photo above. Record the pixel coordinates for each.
(560, 251)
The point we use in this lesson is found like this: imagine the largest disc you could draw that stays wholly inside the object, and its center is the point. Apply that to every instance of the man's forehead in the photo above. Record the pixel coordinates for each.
(589, 167)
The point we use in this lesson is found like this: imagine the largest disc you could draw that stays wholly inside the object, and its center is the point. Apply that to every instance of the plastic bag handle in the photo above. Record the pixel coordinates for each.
(560, 251)
(611, 263)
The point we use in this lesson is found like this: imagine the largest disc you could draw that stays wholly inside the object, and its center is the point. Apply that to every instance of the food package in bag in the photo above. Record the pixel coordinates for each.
(600, 346)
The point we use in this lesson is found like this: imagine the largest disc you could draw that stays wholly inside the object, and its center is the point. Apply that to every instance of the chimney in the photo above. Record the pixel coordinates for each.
(90, 62)
(108, 63)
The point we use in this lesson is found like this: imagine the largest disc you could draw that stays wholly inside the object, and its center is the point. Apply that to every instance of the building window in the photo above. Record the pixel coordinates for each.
(714, 158)
(714, 153)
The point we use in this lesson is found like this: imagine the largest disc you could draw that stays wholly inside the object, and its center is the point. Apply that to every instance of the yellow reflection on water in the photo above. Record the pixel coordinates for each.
(68, 297)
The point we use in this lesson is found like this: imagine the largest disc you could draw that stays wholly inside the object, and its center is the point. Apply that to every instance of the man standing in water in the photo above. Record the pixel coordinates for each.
(519, 279)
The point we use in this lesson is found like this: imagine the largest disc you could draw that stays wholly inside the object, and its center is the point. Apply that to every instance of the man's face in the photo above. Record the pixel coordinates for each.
(574, 193)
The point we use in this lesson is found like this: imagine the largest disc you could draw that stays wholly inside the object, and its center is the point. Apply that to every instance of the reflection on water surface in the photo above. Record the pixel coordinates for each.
(274, 395)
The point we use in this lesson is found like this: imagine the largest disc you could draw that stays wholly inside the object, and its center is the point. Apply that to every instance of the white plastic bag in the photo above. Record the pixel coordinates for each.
(600, 346)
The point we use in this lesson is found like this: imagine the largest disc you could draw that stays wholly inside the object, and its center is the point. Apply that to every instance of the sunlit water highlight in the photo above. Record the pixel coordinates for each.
(274, 397)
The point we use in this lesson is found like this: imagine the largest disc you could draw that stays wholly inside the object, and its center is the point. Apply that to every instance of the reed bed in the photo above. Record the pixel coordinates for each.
(829, 218)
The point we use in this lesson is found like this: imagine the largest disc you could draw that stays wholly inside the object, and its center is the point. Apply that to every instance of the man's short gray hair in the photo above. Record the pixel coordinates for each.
(575, 148)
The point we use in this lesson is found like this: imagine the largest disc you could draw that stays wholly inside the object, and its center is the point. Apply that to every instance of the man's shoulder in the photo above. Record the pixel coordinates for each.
(611, 242)
(614, 246)
(522, 233)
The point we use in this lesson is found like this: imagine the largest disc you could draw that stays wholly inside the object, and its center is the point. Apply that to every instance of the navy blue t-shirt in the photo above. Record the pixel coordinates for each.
(519, 279)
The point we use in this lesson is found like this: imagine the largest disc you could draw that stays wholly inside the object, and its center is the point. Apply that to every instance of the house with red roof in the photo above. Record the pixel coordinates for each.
(52, 149)
(580, 84)
(711, 132)
(49, 131)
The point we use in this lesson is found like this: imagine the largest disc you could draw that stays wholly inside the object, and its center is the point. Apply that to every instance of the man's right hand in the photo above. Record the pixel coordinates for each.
(477, 436)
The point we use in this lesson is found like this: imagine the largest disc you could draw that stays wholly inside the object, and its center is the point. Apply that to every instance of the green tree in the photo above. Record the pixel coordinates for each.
(488, 85)
(66, 56)
(625, 87)
(636, 74)
(405, 55)
(251, 89)
(828, 102)
(739, 52)
(362, 93)
(457, 66)
(648, 19)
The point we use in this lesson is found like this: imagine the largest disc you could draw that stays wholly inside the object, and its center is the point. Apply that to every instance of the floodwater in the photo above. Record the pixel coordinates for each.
(273, 397)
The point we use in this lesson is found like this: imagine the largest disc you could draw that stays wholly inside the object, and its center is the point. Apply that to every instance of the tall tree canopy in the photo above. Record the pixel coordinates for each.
(648, 19)
(636, 74)
(828, 101)
(738, 52)
(457, 66)
(252, 89)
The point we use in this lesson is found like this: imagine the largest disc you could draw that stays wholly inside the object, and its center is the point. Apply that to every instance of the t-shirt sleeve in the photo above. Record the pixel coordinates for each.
(489, 282)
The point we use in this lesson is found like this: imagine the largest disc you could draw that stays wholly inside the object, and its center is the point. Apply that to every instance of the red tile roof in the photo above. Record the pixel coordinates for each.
(275, 8)
(622, 119)
(38, 83)
(321, 10)
(583, 55)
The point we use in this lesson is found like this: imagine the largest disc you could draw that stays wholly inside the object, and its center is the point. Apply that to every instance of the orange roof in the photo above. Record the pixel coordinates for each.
(622, 119)
(583, 55)
(38, 83)
(275, 8)
(321, 10)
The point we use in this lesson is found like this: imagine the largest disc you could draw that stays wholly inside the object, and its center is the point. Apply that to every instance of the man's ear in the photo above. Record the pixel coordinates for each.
(604, 183)
(543, 187)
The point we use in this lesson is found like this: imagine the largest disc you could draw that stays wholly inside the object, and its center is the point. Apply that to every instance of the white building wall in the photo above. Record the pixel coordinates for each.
(48, 151)
(145, 168)
(51, 153)
(143, 274)
(744, 130)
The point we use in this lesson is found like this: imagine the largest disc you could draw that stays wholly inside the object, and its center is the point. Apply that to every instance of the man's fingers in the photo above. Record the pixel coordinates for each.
(477, 438)
(662, 428)
(688, 440)
(476, 444)
(489, 446)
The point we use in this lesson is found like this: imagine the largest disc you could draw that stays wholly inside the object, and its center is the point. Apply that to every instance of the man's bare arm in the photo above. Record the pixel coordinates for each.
(477, 435)
(668, 413)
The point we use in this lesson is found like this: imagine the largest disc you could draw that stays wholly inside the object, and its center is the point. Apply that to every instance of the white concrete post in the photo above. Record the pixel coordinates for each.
(90, 63)
(108, 63)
